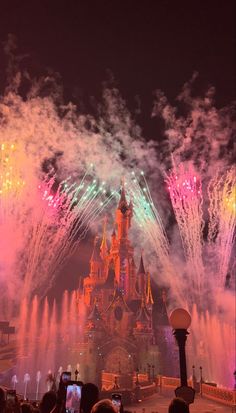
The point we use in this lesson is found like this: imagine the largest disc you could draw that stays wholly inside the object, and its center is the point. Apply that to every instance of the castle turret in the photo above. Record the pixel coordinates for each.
(94, 324)
(113, 239)
(124, 214)
(143, 331)
(96, 267)
(149, 296)
(141, 277)
(95, 260)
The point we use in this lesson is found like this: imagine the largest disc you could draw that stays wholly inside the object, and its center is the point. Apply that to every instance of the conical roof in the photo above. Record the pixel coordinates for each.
(141, 269)
(149, 296)
(96, 251)
(118, 297)
(95, 313)
(123, 205)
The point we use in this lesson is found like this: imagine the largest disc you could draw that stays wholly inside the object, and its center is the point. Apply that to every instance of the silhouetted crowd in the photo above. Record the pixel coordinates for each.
(55, 402)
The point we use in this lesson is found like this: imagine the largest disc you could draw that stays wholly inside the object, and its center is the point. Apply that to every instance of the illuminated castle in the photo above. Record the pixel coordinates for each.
(120, 336)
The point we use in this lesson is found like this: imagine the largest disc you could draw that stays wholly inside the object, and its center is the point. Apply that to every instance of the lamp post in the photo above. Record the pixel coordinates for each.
(200, 368)
(76, 375)
(180, 320)
(194, 377)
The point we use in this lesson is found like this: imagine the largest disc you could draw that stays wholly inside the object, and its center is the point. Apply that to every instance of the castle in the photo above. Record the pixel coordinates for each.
(120, 335)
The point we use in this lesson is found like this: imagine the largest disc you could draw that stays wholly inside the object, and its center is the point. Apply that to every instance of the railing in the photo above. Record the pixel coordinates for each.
(173, 382)
(218, 394)
(141, 377)
(128, 381)
(146, 391)
(109, 380)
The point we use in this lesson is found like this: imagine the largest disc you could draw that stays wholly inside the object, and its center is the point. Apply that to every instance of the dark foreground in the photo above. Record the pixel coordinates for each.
(159, 404)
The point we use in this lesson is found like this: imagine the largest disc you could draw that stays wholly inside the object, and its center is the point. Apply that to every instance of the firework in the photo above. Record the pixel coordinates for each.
(42, 224)
(149, 220)
(12, 183)
(222, 211)
(148, 217)
(59, 222)
(186, 197)
(10, 176)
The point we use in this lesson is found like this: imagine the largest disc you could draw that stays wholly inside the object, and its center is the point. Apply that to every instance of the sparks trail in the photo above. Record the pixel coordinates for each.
(11, 181)
(15, 204)
(148, 218)
(205, 301)
(186, 197)
(146, 214)
(57, 226)
(222, 208)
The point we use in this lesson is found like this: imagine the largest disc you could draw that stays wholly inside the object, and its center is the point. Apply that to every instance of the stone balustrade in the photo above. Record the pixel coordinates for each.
(218, 394)
(128, 381)
(173, 382)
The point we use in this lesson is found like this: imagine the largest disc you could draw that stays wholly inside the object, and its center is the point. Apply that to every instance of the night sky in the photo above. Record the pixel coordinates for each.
(137, 46)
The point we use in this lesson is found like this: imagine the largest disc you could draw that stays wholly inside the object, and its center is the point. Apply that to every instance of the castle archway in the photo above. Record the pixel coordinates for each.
(119, 361)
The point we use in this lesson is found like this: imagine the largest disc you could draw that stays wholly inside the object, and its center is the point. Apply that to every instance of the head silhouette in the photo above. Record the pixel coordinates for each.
(26, 408)
(178, 405)
(89, 396)
(104, 406)
(48, 402)
(2, 400)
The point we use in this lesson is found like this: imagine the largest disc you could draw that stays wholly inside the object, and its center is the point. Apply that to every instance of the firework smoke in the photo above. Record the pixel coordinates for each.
(55, 139)
(196, 130)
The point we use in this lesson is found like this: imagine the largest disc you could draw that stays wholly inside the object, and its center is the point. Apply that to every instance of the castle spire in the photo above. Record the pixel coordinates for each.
(95, 314)
(149, 297)
(141, 269)
(124, 214)
(123, 205)
(95, 257)
(103, 246)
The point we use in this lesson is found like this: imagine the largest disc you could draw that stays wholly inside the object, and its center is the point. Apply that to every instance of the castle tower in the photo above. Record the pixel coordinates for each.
(95, 275)
(141, 277)
(143, 331)
(121, 250)
(95, 261)
(124, 214)
(149, 297)
(94, 331)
